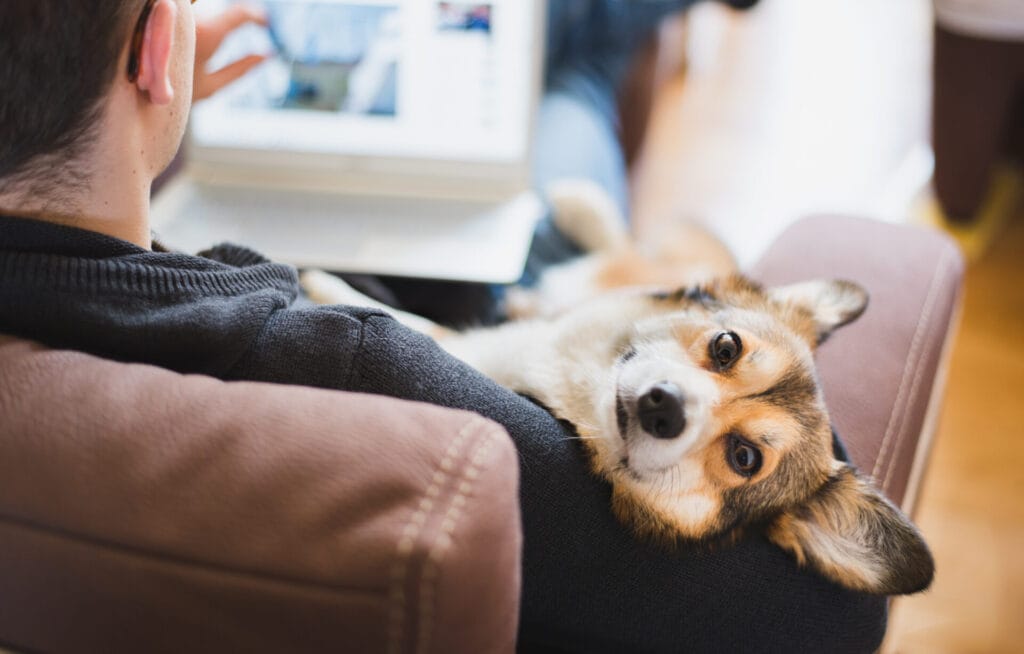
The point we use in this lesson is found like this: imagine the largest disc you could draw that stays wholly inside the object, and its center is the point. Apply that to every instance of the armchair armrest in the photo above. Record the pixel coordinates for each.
(883, 375)
(142, 510)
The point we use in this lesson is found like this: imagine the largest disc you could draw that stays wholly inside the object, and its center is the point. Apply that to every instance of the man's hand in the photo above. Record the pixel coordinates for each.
(210, 33)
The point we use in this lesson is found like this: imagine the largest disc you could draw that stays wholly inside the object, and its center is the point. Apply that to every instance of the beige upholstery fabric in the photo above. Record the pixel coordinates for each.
(141, 510)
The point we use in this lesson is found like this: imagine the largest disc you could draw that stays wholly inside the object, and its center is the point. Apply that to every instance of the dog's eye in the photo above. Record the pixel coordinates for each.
(743, 457)
(725, 349)
(627, 355)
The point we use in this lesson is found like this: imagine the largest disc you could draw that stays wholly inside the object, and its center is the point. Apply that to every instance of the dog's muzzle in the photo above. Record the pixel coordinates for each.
(661, 411)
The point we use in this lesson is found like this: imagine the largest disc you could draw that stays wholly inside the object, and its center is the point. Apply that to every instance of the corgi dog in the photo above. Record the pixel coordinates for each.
(702, 408)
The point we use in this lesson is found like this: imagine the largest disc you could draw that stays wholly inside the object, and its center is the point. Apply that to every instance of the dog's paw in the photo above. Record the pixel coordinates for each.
(324, 288)
(522, 303)
(588, 215)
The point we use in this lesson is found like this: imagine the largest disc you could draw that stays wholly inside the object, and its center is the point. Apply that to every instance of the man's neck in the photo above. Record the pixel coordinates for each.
(115, 198)
(118, 203)
(112, 214)
(130, 232)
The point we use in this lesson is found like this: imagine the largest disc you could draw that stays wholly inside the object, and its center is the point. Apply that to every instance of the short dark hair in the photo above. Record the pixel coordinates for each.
(58, 59)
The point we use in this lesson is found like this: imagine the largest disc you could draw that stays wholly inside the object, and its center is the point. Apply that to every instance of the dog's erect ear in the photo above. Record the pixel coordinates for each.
(831, 303)
(852, 535)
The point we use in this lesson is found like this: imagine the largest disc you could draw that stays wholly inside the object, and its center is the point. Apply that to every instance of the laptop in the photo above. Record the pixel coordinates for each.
(389, 137)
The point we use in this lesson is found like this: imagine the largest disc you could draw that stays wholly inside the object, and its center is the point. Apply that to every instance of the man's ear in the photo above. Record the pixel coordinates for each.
(157, 51)
(831, 303)
(852, 535)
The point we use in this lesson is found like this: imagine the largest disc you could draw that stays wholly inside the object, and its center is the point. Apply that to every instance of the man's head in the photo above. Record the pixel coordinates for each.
(64, 71)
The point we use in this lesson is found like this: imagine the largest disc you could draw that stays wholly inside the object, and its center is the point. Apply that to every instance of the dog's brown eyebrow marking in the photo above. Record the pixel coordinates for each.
(795, 392)
(690, 293)
(793, 389)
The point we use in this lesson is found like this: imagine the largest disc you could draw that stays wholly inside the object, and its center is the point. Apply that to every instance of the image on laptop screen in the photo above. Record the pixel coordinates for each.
(417, 79)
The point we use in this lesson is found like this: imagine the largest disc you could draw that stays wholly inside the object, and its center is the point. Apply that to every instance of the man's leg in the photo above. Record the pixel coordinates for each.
(590, 47)
(576, 139)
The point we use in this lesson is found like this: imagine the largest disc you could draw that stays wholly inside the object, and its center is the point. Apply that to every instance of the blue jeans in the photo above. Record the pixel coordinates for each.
(590, 46)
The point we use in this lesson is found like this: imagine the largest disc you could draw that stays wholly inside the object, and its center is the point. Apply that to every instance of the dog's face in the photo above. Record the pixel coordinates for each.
(712, 421)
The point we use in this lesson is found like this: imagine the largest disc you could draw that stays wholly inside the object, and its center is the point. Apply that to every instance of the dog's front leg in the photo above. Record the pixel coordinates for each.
(324, 288)
(514, 354)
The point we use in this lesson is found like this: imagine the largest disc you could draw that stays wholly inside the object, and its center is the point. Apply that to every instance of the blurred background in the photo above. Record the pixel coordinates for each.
(825, 106)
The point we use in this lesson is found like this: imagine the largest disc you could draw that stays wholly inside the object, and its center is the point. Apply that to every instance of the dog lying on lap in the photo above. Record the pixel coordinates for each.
(701, 407)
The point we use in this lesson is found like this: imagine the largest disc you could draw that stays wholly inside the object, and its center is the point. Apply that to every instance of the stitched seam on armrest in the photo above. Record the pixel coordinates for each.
(902, 397)
(211, 568)
(919, 372)
(411, 532)
(443, 542)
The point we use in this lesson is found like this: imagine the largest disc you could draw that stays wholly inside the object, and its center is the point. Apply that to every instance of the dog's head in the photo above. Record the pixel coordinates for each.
(718, 425)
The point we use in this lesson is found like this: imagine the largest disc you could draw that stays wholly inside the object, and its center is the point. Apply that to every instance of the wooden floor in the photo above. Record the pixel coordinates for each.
(972, 506)
(822, 105)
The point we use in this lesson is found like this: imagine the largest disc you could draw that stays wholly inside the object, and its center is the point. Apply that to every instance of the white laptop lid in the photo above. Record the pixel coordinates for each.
(395, 97)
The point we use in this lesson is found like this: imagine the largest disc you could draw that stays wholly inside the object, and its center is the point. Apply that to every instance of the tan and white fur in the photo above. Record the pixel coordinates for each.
(701, 407)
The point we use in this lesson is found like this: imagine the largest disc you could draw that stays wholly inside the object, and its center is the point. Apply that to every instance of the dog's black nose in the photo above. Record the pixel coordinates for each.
(661, 411)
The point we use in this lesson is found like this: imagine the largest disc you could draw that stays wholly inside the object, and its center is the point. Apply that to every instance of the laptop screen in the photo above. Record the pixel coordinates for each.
(385, 79)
